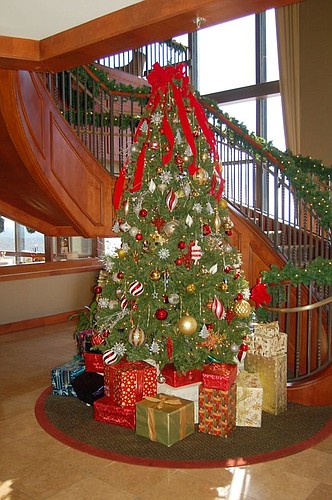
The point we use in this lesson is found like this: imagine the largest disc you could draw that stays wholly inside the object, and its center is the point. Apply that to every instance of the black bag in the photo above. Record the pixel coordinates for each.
(89, 386)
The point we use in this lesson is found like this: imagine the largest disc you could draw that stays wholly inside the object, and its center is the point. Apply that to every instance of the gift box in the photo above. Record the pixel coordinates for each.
(105, 410)
(107, 377)
(89, 386)
(94, 362)
(63, 375)
(249, 400)
(272, 372)
(267, 340)
(217, 411)
(190, 392)
(82, 338)
(178, 379)
(129, 382)
(219, 376)
(165, 418)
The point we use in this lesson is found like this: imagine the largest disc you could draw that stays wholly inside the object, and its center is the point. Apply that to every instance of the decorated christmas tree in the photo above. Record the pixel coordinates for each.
(174, 292)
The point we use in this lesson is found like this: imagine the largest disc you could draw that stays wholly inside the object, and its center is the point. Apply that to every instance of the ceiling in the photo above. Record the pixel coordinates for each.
(44, 35)
(38, 19)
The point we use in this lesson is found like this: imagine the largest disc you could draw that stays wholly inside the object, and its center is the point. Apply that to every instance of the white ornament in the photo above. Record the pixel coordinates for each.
(189, 220)
(136, 288)
(144, 127)
(164, 253)
(166, 177)
(187, 190)
(152, 186)
(103, 303)
(213, 269)
(125, 227)
(196, 252)
(162, 188)
(197, 207)
(178, 138)
(110, 357)
(218, 308)
(119, 348)
(116, 227)
(154, 347)
(204, 332)
(133, 231)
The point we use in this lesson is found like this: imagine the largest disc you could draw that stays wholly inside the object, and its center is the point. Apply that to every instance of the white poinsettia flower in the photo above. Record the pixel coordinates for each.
(166, 177)
(103, 303)
(197, 207)
(164, 253)
(119, 348)
(157, 118)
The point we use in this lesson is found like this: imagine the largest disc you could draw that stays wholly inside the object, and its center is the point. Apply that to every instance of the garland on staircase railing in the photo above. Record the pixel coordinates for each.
(302, 172)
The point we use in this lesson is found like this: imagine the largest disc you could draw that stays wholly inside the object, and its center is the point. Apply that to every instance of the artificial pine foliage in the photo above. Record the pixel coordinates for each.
(174, 291)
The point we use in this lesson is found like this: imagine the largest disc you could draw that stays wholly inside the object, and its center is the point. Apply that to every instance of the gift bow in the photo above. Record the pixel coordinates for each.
(163, 400)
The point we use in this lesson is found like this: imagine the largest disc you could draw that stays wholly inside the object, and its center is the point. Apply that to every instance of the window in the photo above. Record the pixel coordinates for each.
(247, 56)
(22, 245)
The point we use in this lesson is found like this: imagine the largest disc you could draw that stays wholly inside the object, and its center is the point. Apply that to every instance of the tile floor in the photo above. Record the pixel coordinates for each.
(33, 465)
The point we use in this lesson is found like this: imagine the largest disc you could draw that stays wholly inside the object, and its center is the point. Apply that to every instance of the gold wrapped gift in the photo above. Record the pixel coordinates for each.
(272, 372)
(268, 340)
(249, 400)
(164, 418)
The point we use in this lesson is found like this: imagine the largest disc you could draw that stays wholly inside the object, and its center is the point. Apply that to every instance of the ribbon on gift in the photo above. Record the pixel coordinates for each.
(161, 402)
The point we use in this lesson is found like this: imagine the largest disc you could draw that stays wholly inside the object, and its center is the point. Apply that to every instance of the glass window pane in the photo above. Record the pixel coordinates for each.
(272, 65)
(226, 55)
(244, 112)
(275, 123)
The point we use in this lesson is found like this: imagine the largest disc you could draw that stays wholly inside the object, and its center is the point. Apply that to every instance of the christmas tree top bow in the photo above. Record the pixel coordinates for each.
(165, 82)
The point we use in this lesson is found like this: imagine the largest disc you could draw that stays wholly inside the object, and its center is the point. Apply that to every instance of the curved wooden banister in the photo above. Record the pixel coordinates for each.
(60, 187)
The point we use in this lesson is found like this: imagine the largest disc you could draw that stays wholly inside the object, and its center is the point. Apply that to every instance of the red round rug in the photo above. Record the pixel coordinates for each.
(71, 422)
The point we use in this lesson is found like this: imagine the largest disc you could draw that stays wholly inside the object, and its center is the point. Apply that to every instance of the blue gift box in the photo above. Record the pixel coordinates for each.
(62, 376)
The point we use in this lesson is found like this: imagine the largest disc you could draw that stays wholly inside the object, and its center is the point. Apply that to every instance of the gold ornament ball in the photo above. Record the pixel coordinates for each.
(122, 253)
(155, 275)
(187, 325)
(223, 203)
(242, 308)
(201, 176)
(159, 170)
(136, 336)
(191, 288)
(223, 286)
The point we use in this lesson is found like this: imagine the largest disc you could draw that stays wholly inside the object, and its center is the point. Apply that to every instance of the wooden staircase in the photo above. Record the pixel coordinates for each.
(49, 180)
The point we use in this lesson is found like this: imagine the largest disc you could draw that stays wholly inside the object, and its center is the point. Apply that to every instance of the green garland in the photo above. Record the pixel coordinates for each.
(318, 271)
(301, 172)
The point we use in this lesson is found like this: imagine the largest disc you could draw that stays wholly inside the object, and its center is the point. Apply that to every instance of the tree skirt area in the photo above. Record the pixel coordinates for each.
(71, 421)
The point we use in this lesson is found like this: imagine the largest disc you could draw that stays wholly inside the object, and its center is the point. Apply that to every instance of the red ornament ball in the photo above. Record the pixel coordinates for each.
(228, 269)
(179, 261)
(206, 229)
(161, 314)
(239, 296)
(139, 236)
(98, 289)
(182, 245)
(120, 275)
(229, 232)
(143, 212)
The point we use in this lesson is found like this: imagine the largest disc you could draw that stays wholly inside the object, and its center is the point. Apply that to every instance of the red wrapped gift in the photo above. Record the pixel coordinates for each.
(177, 379)
(217, 411)
(93, 362)
(131, 381)
(105, 410)
(219, 376)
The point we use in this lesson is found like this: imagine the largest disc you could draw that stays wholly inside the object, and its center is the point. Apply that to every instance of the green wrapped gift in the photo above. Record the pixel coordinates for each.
(164, 418)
